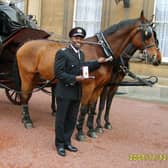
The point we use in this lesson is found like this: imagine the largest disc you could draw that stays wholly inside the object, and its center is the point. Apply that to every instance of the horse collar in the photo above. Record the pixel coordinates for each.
(104, 44)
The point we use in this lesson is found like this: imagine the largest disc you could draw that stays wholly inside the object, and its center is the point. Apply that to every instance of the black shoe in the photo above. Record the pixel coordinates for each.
(61, 151)
(71, 148)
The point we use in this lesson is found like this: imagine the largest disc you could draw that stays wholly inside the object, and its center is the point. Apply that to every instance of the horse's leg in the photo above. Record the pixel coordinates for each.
(53, 100)
(90, 120)
(25, 96)
(97, 92)
(118, 77)
(83, 111)
(26, 88)
(102, 101)
(110, 97)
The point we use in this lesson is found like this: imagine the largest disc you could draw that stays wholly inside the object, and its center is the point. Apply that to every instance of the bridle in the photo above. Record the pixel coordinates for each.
(127, 53)
(146, 33)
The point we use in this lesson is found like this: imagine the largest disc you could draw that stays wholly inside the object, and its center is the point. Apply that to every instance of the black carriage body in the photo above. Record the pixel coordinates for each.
(15, 30)
(12, 19)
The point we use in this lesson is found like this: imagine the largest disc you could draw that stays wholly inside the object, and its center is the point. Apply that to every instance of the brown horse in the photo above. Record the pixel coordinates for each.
(108, 92)
(36, 58)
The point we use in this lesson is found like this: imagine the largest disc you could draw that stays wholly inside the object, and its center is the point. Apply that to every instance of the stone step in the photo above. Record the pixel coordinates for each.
(156, 93)
(163, 81)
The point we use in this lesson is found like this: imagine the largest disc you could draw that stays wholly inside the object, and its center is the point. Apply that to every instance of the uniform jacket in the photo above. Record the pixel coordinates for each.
(67, 67)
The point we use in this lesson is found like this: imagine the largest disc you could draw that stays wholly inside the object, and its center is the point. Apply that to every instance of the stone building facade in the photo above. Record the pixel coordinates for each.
(58, 16)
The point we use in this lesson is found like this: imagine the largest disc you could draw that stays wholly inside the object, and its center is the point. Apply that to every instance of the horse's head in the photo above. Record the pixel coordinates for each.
(145, 38)
(154, 60)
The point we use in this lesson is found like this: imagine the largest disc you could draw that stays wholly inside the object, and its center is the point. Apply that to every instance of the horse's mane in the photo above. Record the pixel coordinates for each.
(120, 25)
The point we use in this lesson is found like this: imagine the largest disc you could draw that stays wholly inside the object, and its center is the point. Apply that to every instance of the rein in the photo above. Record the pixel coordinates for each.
(149, 46)
(83, 42)
(127, 53)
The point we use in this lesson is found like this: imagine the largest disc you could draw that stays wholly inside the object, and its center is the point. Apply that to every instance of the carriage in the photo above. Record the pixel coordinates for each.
(15, 30)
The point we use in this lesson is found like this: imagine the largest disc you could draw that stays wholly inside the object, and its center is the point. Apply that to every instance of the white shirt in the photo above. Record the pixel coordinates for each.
(76, 50)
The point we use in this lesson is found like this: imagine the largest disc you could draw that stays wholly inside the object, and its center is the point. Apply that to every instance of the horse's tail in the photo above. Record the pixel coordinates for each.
(16, 76)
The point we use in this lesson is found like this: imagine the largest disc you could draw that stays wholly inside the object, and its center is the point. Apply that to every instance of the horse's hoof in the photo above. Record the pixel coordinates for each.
(92, 134)
(80, 137)
(99, 130)
(108, 126)
(28, 125)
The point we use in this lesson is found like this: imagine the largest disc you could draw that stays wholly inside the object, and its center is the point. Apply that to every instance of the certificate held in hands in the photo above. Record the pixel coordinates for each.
(85, 72)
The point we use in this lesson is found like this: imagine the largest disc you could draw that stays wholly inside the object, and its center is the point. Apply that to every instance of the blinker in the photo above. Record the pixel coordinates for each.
(147, 33)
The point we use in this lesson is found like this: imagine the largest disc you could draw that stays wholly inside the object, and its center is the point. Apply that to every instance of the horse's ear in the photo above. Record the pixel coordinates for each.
(152, 18)
(142, 14)
(142, 17)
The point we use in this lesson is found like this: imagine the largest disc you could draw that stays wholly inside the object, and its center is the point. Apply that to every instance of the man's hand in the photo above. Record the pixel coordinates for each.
(101, 60)
(79, 78)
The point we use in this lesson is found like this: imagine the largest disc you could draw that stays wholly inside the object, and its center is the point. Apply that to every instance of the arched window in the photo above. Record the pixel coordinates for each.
(87, 14)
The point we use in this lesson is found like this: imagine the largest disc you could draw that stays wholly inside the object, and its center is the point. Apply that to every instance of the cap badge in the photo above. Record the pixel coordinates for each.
(79, 30)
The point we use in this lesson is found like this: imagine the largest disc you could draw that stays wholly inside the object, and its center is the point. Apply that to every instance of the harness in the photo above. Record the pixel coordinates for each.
(127, 53)
(105, 46)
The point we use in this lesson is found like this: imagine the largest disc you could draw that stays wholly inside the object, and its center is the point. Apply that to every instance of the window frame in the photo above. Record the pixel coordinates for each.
(162, 24)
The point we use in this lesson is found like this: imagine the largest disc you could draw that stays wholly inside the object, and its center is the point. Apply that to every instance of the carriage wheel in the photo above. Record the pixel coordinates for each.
(13, 96)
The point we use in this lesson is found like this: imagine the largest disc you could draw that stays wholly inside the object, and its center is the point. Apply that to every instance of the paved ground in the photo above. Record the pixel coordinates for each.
(139, 127)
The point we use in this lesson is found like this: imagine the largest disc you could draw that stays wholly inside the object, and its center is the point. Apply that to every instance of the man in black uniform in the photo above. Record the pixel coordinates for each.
(68, 64)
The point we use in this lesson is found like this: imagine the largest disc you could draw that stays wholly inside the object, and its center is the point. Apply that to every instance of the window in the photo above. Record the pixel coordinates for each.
(161, 19)
(87, 14)
(19, 4)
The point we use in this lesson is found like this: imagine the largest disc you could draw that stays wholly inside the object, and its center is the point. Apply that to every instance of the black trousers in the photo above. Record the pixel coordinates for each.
(66, 116)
